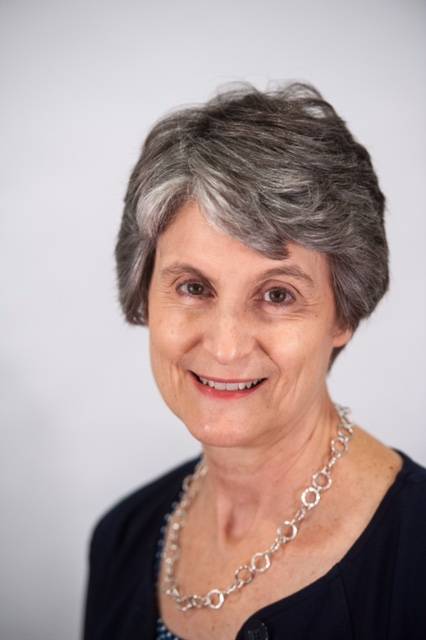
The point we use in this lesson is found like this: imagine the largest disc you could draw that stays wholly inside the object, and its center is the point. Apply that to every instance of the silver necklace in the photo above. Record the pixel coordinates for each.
(262, 560)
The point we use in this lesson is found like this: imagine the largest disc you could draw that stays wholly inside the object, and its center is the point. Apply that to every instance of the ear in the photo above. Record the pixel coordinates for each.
(341, 336)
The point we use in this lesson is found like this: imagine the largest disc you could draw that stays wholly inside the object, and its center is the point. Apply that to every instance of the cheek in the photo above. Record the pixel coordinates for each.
(164, 344)
(302, 347)
(164, 352)
(168, 342)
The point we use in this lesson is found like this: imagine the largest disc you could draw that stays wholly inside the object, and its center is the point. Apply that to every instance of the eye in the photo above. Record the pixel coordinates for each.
(193, 289)
(279, 296)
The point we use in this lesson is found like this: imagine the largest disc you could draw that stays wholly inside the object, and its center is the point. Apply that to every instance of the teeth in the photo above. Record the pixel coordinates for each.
(229, 386)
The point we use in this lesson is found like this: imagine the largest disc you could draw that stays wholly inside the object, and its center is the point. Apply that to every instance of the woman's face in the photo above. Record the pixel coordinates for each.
(215, 312)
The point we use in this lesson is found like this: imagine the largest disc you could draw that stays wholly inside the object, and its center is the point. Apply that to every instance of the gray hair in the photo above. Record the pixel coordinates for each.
(266, 168)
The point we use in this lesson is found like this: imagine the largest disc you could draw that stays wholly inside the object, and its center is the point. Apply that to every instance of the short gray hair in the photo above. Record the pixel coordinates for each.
(266, 168)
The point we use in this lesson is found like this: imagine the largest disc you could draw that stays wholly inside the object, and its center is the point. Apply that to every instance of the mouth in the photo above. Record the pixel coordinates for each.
(227, 388)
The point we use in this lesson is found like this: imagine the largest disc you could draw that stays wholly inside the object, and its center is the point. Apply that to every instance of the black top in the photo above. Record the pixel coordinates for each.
(377, 591)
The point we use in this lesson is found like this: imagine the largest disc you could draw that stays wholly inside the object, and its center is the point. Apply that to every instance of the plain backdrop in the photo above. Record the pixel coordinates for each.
(82, 423)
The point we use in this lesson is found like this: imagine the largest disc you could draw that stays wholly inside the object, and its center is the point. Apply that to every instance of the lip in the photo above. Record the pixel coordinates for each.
(229, 380)
(210, 392)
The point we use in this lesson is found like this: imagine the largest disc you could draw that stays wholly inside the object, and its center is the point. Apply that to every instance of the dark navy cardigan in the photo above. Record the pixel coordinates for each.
(377, 591)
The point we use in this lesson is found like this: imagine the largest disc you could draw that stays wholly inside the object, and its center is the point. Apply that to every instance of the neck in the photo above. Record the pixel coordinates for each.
(248, 488)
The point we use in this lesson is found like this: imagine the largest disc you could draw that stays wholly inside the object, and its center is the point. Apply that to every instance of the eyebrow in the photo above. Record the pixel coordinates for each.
(177, 268)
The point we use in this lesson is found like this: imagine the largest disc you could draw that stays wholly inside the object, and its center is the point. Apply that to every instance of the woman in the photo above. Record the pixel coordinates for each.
(252, 244)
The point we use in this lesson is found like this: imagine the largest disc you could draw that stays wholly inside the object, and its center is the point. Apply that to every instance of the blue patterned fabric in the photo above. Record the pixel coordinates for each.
(162, 633)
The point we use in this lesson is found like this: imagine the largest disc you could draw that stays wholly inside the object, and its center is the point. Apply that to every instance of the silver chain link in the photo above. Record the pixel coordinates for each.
(262, 560)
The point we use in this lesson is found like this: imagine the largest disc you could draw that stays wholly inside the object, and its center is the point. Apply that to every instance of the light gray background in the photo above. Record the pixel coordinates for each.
(82, 422)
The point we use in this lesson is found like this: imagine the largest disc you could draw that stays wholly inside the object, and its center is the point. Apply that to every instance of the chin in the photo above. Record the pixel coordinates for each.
(220, 434)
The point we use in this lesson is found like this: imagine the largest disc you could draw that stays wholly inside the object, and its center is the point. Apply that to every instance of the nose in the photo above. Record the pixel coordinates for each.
(228, 336)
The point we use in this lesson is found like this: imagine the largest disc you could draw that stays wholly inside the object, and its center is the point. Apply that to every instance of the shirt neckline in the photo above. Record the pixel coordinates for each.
(311, 588)
(315, 586)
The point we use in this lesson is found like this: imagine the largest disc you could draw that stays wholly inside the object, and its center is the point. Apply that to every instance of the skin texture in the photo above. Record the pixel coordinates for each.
(234, 333)
(262, 449)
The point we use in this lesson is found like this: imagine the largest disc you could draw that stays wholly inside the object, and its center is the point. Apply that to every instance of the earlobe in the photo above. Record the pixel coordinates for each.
(342, 336)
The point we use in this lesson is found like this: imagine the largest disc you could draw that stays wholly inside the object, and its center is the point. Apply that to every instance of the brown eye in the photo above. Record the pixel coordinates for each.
(191, 288)
(279, 296)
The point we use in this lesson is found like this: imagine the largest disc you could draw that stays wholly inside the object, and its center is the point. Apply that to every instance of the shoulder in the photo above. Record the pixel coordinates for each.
(137, 510)
(404, 502)
(122, 546)
(389, 511)
(406, 551)
(376, 472)
(399, 522)
(411, 491)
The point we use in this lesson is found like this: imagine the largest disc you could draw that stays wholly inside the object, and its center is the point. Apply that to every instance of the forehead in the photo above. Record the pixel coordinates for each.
(192, 238)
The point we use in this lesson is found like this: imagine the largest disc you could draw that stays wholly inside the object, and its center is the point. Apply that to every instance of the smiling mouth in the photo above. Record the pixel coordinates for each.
(222, 385)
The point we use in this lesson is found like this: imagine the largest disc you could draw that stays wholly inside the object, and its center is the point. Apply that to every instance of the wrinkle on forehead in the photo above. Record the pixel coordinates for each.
(191, 239)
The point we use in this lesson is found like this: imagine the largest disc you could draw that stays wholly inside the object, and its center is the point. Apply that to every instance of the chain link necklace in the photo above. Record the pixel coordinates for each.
(262, 560)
